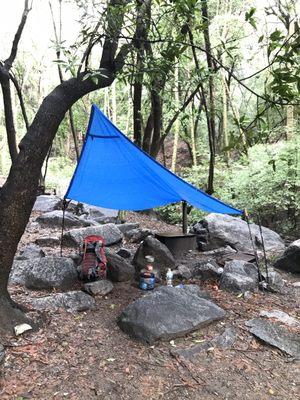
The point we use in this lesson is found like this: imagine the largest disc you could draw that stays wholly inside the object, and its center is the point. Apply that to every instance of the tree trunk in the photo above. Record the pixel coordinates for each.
(176, 134)
(18, 194)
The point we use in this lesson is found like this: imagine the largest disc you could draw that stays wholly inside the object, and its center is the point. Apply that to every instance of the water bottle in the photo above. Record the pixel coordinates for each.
(169, 277)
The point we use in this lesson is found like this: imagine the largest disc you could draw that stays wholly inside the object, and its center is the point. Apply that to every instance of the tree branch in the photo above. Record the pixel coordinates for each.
(9, 61)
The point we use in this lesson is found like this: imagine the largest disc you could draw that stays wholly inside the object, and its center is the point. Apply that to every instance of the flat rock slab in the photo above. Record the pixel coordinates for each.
(71, 301)
(48, 241)
(110, 232)
(225, 341)
(101, 287)
(281, 317)
(47, 203)
(55, 219)
(168, 313)
(276, 335)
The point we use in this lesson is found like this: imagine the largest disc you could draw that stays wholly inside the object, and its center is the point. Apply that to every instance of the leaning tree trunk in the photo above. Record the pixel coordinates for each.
(18, 194)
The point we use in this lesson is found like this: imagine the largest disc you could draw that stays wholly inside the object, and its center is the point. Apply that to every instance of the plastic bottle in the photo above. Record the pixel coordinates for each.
(169, 277)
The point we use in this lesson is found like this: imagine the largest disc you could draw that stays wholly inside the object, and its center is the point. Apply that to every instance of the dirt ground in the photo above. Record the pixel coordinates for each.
(86, 356)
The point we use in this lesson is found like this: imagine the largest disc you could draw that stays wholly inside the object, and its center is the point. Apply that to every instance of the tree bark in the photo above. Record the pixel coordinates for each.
(18, 194)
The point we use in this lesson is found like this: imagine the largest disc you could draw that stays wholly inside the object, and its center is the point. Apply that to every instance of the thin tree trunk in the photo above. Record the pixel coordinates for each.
(176, 134)
(114, 102)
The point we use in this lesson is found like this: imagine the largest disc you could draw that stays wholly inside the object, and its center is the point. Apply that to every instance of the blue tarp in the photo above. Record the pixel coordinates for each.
(114, 173)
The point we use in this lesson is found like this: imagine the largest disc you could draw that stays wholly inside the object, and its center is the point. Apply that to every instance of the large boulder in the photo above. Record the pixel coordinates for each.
(30, 251)
(54, 219)
(110, 232)
(219, 230)
(48, 241)
(163, 258)
(50, 272)
(71, 301)
(290, 261)
(46, 203)
(47, 271)
(167, 313)
(118, 269)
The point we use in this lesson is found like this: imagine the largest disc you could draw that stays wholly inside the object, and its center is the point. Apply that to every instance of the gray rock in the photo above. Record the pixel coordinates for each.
(71, 301)
(275, 279)
(105, 220)
(225, 341)
(110, 232)
(182, 271)
(276, 335)
(281, 317)
(206, 270)
(221, 252)
(30, 251)
(118, 269)
(47, 203)
(226, 230)
(137, 235)
(51, 272)
(125, 253)
(237, 283)
(2, 354)
(163, 258)
(94, 212)
(19, 271)
(241, 267)
(127, 226)
(168, 313)
(296, 285)
(101, 287)
(48, 241)
(55, 219)
(290, 261)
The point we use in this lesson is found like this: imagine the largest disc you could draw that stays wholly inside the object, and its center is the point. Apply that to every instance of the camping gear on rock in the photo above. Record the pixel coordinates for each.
(169, 277)
(93, 265)
(147, 277)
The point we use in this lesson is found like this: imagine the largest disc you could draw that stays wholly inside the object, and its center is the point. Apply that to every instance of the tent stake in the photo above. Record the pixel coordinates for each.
(184, 217)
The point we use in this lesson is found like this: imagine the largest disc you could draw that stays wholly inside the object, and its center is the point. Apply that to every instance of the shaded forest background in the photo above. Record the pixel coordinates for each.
(209, 88)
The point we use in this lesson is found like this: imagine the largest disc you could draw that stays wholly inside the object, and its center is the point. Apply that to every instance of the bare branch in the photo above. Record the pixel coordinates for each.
(9, 61)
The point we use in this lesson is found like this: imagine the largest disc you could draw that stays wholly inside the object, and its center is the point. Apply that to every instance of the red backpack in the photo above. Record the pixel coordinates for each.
(94, 261)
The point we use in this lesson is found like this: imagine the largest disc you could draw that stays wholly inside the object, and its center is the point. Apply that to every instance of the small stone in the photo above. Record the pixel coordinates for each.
(296, 284)
(19, 329)
(124, 253)
(101, 287)
(29, 252)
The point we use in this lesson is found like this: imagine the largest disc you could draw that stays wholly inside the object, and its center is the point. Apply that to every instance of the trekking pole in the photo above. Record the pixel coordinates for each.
(263, 246)
(260, 277)
(64, 207)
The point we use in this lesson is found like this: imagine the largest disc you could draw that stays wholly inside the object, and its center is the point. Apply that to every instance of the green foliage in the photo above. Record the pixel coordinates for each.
(267, 181)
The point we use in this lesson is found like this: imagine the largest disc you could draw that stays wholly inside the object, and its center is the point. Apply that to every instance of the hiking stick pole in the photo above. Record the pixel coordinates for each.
(260, 277)
(263, 246)
(64, 207)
